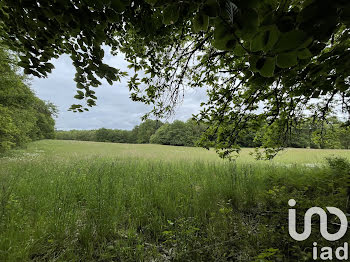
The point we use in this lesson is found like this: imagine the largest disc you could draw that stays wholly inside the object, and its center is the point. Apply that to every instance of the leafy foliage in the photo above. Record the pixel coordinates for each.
(271, 55)
(177, 133)
(150, 131)
(146, 129)
(309, 133)
(23, 116)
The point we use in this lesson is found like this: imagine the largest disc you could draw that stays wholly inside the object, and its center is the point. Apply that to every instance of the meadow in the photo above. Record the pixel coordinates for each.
(89, 201)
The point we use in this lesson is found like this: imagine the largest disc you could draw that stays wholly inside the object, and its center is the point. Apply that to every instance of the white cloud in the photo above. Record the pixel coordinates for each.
(114, 107)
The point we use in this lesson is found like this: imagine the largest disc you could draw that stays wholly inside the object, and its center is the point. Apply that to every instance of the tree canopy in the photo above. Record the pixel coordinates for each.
(258, 59)
(23, 116)
(307, 134)
(177, 133)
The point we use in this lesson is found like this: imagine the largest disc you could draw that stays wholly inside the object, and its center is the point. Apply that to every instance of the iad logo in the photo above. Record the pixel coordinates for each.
(326, 252)
(323, 225)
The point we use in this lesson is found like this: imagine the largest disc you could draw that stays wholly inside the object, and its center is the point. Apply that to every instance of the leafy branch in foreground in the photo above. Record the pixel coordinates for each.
(270, 60)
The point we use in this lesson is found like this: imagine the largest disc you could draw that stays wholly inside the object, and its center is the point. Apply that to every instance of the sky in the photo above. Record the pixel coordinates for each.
(114, 108)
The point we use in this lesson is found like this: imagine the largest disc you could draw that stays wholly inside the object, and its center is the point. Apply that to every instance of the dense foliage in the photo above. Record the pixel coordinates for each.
(310, 133)
(273, 55)
(23, 116)
(145, 130)
(178, 133)
(150, 131)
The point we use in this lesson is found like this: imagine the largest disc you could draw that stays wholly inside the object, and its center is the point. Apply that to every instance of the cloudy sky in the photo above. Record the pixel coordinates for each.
(114, 107)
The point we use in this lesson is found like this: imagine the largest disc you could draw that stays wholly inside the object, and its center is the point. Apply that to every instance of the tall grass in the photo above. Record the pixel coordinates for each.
(139, 209)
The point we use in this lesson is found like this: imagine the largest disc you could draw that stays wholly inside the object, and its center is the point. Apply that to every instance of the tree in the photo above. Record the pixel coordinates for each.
(146, 129)
(81, 135)
(278, 55)
(161, 136)
(344, 136)
(45, 124)
(309, 133)
(23, 116)
(103, 135)
(197, 130)
(177, 133)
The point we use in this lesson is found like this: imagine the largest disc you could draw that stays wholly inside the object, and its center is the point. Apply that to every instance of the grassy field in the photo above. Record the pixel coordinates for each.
(77, 149)
(88, 201)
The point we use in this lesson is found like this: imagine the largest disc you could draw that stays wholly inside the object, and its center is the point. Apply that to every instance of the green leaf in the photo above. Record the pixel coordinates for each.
(239, 50)
(100, 35)
(307, 42)
(304, 53)
(221, 31)
(211, 8)
(265, 39)
(112, 17)
(79, 97)
(268, 68)
(90, 102)
(257, 43)
(286, 60)
(200, 22)
(23, 64)
(80, 86)
(253, 59)
(249, 22)
(118, 6)
(223, 38)
(341, 85)
(271, 35)
(75, 106)
(227, 44)
(291, 40)
(170, 14)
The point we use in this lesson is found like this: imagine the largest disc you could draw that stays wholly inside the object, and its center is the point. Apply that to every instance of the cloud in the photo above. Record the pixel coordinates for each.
(114, 107)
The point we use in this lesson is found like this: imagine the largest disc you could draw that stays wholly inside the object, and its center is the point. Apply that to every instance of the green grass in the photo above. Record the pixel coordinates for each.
(87, 201)
(77, 149)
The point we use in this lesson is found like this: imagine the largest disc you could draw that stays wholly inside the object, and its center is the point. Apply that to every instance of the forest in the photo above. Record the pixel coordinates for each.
(333, 134)
(23, 116)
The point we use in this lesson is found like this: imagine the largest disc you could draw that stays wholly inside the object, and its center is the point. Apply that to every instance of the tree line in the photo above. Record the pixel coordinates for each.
(310, 133)
(23, 116)
(178, 133)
